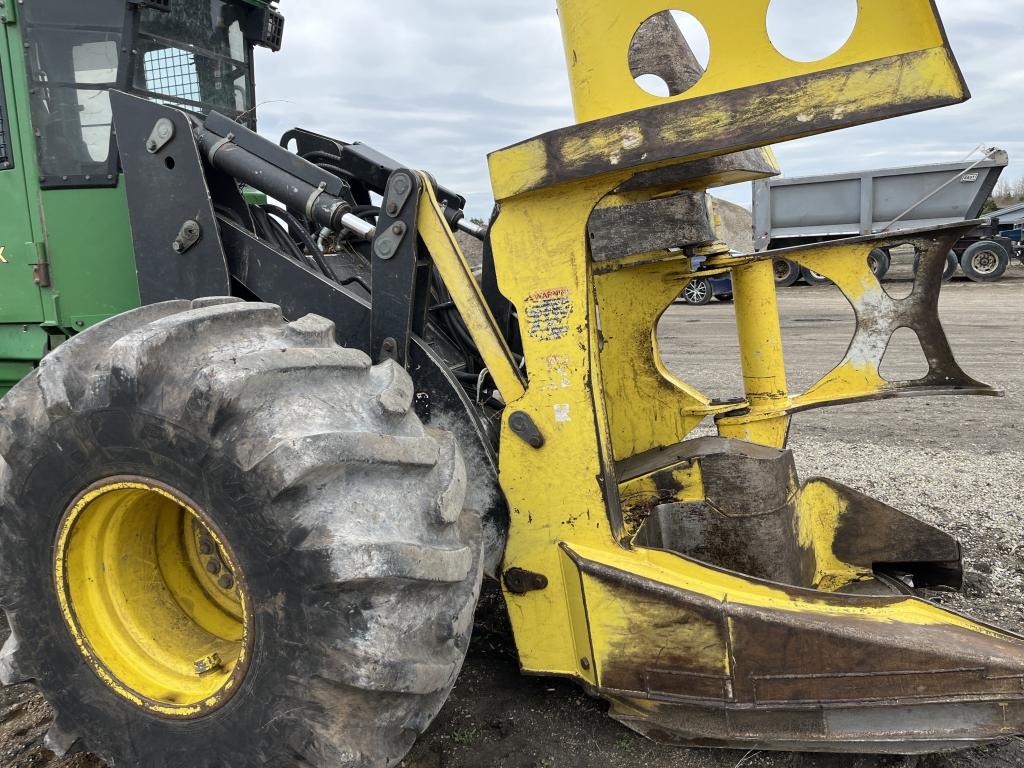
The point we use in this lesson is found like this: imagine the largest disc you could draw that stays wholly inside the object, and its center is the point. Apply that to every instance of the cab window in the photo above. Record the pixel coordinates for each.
(196, 56)
(73, 56)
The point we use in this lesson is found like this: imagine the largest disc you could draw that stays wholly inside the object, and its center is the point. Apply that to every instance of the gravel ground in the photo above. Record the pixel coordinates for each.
(954, 462)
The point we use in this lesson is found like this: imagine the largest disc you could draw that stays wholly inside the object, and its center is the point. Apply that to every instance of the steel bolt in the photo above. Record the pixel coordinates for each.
(397, 228)
(392, 208)
(208, 664)
(205, 547)
(585, 663)
(226, 582)
(213, 566)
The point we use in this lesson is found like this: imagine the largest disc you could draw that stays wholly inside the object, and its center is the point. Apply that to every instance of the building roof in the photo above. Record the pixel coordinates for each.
(1011, 214)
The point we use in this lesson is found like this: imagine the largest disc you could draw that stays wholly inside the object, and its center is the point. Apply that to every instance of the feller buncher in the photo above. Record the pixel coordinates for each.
(251, 529)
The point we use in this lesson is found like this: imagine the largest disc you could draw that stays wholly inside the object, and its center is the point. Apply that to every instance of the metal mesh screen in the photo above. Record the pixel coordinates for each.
(172, 72)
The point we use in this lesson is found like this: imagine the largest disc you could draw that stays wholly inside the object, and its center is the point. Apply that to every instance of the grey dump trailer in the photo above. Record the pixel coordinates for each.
(797, 211)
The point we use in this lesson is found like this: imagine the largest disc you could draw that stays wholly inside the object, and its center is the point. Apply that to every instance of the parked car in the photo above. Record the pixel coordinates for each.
(702, 290)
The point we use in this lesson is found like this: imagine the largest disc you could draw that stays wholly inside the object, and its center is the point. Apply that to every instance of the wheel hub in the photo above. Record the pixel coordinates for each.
(985, 262)
(696, 291)
(153, 597)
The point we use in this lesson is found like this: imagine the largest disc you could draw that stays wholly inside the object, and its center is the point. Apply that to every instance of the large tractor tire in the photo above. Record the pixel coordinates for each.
(227, 541)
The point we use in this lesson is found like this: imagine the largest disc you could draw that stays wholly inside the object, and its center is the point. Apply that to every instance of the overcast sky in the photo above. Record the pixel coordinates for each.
(438, 84)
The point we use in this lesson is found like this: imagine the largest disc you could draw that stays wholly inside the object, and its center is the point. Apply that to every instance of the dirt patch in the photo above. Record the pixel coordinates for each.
(24, 719)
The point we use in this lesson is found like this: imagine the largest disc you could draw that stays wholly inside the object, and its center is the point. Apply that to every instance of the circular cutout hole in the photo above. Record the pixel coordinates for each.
(654, 85)
(169, 162)
(669, 53)
(810, 30)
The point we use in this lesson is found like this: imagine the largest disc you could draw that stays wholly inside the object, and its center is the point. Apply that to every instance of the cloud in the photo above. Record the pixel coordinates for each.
(438, 85)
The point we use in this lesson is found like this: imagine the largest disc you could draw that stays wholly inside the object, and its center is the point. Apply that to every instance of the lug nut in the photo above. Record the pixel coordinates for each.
(213, 566)
(205, 547)
(226, 582)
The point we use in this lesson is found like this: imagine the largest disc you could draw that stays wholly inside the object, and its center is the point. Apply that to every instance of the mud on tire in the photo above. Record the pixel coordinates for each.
(343, 511)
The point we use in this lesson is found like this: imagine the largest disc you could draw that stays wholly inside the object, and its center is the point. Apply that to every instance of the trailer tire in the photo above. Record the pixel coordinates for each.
(786, 272)
(985, 262)
(952, 264)
(348, 570)
(879, 262)
(813, 278)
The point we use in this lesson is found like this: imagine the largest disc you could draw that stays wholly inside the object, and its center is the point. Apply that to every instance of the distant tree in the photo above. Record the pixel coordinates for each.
(1007, 192)
(478, 221)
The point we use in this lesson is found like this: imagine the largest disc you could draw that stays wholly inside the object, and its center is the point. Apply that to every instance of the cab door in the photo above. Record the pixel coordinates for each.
(20, 300)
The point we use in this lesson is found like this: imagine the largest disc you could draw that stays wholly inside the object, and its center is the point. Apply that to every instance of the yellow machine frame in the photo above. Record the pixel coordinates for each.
(688, 650)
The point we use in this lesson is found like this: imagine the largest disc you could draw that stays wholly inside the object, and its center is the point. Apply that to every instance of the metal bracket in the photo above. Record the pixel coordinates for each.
(524, 427)
(397, 194)
(387, 242)
(185, 192)
(8, 13)
(163, 132)
(187, 237)
(313, 197)
(229, 139)
(519, 581)
(399, 278)
(41, 274)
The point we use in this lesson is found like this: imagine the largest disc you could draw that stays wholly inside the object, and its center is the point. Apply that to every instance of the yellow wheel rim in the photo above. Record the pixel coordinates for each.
(153, 597)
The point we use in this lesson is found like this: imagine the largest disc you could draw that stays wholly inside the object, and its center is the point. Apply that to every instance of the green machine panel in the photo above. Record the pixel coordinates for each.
(19, 294)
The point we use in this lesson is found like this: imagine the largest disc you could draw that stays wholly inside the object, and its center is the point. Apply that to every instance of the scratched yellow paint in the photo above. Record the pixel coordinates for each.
(648, 406)
(467, 296)
(597, 388)
(681, 482)
(597, 35)
(819, 513)
(665, 568)
(857, 375)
